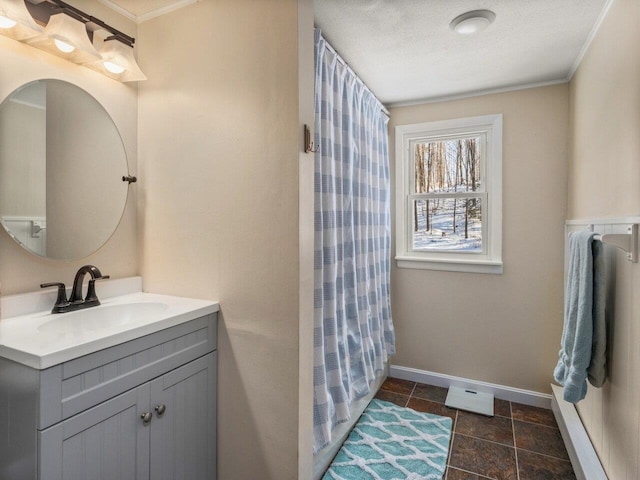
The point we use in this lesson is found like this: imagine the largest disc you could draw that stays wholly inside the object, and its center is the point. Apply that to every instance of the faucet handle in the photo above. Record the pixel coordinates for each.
(61, 301)
(91, 289)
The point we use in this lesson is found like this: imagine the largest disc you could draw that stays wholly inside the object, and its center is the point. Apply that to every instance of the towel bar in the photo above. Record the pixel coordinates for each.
(624, 241)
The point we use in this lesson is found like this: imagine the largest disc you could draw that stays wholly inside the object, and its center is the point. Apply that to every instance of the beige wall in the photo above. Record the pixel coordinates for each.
(219, 172)
(306, 194)
(604, 181)
(21, 271)
(502, 329)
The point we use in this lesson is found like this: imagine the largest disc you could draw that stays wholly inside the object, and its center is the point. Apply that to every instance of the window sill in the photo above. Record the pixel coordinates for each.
(469, 266)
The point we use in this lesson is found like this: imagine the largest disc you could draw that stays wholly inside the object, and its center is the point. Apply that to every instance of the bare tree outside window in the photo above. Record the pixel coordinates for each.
(449, 218)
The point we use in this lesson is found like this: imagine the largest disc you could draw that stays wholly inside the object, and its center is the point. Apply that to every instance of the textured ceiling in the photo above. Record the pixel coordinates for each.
(405, 51)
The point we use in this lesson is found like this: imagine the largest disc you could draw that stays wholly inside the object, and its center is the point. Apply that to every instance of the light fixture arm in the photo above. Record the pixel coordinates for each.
(43, 10)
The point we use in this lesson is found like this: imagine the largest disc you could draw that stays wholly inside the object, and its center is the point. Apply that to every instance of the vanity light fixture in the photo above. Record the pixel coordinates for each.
(472, 22)
(66, 36)
(69, 33)
(118, 61)
(16, 21)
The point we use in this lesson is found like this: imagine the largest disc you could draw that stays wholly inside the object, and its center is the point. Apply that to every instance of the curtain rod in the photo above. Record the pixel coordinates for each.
(353, 72)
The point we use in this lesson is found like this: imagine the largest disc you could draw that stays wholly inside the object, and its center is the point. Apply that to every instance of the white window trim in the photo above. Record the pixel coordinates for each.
(491, 260)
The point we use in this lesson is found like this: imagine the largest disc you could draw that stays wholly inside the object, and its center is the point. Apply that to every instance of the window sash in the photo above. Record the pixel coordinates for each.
(430, 195)
(482, 144)
(484, 215)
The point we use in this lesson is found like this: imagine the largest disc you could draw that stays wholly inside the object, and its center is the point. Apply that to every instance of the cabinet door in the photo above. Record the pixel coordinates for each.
(107, 442)
(183, 437)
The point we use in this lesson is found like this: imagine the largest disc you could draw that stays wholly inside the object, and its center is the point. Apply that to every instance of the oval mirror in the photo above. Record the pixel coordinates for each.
(62, 160)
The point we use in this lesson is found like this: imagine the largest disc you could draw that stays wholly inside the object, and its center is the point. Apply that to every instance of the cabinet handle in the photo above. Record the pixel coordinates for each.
(146, 418)
(160, 409)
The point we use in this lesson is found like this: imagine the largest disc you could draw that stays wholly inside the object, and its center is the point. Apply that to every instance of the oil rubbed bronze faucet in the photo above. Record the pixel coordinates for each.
(76, 302)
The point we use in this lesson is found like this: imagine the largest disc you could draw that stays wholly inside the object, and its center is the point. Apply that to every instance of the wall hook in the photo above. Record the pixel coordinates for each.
(309, 146)
(130, 179)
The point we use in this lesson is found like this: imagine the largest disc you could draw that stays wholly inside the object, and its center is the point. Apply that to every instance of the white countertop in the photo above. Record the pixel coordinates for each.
(31, 340)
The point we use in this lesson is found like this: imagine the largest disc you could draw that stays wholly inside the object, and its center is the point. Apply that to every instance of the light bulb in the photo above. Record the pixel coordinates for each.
(7, 22)
(472, 25)
(113, 67)
(64, 46)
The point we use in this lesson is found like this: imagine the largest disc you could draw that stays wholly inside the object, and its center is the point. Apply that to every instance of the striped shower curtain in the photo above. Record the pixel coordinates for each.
(353, 330)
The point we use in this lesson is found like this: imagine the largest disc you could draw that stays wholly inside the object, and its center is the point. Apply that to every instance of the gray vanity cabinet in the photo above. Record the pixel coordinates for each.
(141, 410)
(181, 444)
(112, 441)
(105, 442)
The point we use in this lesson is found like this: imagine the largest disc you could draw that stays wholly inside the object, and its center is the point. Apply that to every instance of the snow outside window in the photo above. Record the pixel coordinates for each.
(449, 195)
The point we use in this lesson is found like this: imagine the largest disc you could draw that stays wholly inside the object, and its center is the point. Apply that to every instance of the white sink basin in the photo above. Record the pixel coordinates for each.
(41, 339)
(103, 317)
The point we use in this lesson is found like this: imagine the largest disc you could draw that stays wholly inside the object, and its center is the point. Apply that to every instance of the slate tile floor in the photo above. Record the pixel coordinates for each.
(519, 443)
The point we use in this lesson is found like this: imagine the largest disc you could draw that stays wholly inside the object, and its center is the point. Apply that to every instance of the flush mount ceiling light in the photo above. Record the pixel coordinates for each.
(472, 22)
(118, 61)
(16, 21)
(66, 36)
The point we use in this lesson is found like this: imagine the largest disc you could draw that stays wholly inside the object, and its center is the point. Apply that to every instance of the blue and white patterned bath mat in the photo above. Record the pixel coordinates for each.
(391, 442)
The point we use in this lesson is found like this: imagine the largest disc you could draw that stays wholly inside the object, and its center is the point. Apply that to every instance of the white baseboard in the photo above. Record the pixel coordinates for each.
(584, 459)
(526, 397)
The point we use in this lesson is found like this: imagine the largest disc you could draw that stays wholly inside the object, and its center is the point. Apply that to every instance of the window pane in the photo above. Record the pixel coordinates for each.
(448, 224)
(448, 166)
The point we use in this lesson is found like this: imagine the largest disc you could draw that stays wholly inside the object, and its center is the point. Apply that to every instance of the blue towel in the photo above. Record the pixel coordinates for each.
(582, 319)
(597, 370)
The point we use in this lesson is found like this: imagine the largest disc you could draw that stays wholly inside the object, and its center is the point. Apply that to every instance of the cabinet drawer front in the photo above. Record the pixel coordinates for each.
(84, 382)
